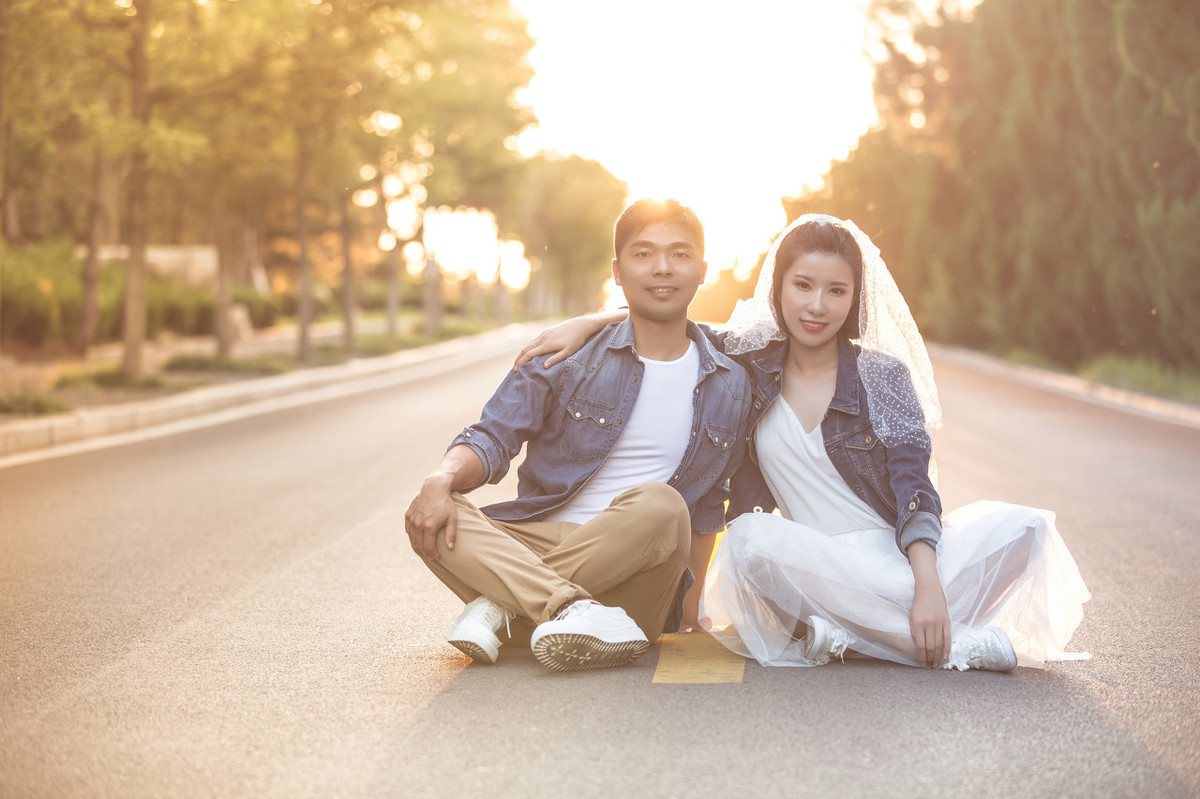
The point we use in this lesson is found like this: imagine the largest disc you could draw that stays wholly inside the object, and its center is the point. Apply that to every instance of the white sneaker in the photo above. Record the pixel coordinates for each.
(474, 633)
(988, 650)
(587, 635)
(825, 640)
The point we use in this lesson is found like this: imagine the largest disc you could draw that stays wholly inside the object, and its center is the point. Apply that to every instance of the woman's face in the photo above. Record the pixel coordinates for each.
(815, 298)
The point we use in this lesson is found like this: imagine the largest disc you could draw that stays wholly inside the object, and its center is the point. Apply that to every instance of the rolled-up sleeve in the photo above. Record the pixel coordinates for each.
(515, 412)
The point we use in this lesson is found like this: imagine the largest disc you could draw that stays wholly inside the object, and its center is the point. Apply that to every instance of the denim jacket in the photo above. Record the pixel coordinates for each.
(570, 416)
(892, 480)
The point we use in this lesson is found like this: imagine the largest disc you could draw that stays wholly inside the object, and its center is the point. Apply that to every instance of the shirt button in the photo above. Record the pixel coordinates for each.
(578, 414)
(757, 405)
(776, 378)
(697, 389)
(758, 509)
(725, 445)
(693, 434)
(868, 438)
(912, 506)
(601, 420)
(468, 434)
(676, 477)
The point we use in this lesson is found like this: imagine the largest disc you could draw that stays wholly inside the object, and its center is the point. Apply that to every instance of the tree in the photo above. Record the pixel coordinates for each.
(565, 219)
(1035, 176)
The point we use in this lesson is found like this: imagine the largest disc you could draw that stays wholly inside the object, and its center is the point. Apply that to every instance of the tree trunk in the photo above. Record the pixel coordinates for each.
(304, 309)
(432, 297)
(393, 293)
(89, 315)
(348, 297)
(4, 11)
(226, 260)
(135, 275)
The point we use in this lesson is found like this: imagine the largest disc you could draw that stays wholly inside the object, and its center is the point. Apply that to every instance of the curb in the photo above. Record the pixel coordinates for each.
(41, 438)
(1162, 410)
(38, 438)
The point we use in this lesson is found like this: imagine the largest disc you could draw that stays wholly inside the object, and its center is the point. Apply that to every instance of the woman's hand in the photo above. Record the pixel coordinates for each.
(566, 338)
(929, 620)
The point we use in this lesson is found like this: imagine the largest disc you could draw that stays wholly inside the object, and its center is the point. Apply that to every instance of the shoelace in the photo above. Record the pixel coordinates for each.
(493, 609)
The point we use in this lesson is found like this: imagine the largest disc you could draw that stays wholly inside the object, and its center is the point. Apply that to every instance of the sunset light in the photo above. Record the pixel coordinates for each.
(725, 110)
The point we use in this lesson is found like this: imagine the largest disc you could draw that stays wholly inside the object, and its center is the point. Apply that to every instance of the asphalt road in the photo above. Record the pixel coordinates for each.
(235, 611)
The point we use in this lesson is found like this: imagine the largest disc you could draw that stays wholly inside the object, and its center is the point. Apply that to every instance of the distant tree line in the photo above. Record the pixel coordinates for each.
(1035, 180)
(238, 123)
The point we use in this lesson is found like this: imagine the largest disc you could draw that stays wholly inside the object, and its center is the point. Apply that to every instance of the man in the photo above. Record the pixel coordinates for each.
(629, 445)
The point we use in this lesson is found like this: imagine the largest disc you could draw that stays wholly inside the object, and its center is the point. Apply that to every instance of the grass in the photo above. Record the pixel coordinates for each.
(260, 365)
(108, 378)
(1142, 375)
(1146, 376)
(32, 404)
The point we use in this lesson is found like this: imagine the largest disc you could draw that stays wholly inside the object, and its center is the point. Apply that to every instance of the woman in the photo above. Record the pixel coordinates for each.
(861, 558)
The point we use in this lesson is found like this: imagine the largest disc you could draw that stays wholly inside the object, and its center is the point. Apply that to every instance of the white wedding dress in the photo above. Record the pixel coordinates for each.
(831, 555)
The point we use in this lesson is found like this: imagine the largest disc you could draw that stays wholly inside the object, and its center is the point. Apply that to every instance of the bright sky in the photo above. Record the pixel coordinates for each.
(726, 107)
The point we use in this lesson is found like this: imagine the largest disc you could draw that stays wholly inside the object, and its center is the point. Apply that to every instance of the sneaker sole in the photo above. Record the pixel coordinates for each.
(578, 652)
(474, 651)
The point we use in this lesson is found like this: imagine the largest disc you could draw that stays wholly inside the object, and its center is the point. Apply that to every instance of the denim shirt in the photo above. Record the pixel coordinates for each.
(569, 417)
(894, 480)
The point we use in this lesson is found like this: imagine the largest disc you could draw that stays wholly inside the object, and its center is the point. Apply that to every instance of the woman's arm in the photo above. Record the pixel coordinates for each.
(566, 338)
(929, 620)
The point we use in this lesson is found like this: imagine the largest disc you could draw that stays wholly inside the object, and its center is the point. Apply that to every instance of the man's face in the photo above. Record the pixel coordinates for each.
(659, 269)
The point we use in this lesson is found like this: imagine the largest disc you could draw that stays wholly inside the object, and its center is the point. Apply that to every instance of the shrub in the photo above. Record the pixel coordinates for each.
(30, 404)
(31, 297)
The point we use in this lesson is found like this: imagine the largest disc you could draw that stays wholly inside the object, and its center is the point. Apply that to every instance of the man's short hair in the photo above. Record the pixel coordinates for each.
(643, 213)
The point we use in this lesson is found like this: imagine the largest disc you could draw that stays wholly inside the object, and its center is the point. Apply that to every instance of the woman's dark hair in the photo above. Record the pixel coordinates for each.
(821, 236)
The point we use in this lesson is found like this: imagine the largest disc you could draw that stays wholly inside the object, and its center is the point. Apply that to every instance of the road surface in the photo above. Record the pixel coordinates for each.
(235, 611)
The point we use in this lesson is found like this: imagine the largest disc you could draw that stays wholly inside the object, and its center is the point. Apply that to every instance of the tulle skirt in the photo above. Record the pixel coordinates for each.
(1001, 566)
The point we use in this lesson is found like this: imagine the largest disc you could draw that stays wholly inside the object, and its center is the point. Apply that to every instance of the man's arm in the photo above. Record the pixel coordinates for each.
(432, 510)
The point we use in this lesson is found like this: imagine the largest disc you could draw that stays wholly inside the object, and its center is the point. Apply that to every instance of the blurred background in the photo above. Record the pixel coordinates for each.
(405, 170)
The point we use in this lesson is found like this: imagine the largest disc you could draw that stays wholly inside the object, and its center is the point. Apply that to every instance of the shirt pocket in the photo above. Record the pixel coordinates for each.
(715, 444)
(589, 430)
(868, 458)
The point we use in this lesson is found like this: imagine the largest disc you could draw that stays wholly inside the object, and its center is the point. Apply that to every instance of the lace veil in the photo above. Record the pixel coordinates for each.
(903, 402)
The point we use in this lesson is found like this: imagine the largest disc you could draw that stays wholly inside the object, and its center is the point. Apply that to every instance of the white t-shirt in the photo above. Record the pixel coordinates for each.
(653, 442)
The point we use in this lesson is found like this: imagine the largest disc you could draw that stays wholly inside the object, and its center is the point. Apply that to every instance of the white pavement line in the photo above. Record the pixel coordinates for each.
(1161, 410)
(362, 377)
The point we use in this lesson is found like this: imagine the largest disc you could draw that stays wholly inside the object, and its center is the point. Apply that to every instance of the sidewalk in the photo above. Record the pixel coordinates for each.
(36, 438)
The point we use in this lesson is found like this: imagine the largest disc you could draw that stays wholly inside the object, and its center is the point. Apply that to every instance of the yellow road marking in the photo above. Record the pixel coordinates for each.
(696, 658)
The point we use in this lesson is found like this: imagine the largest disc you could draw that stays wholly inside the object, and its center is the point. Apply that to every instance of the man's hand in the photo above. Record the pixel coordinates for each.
(431, 512)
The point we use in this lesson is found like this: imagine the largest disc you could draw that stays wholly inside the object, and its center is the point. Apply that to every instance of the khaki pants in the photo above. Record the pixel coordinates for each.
(631, 555)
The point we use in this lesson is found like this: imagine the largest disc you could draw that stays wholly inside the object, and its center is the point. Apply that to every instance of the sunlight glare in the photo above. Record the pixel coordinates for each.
(515, 269)
(414, 258)
(729, 117)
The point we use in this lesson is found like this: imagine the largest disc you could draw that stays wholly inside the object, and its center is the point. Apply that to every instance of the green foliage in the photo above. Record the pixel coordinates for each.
(31, 404)
(237, 93)
(41, 299)
(1049, 200)
(31, 296)
(264, 311)
(262, 365)
(568, 206)
(107, 378)
(1141, 374)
